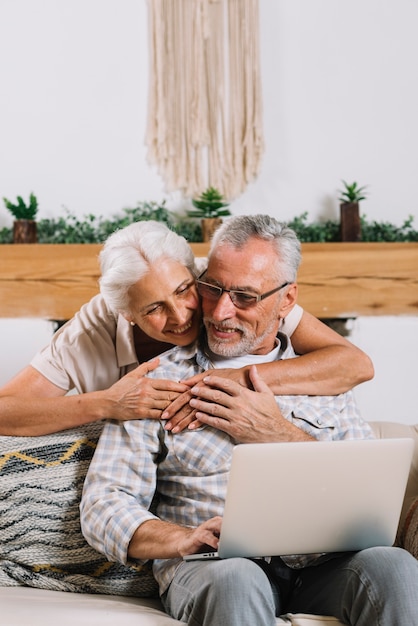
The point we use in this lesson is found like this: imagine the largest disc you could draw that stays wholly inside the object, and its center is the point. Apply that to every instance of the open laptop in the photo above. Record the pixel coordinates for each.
(303, 498)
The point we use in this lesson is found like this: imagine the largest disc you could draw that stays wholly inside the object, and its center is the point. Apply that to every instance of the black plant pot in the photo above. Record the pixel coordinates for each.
(25, 231)
(350, 226)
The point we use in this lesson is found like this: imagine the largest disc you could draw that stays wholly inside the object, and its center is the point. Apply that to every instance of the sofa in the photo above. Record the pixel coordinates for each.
(48, 573)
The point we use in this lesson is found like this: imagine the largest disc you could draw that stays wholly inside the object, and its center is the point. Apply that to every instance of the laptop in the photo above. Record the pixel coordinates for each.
(310, 497)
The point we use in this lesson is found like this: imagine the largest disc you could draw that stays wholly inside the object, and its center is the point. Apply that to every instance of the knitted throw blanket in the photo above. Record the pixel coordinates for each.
(41, 544)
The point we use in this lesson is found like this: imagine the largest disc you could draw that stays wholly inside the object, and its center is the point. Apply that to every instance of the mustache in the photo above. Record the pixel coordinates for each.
(224, 325)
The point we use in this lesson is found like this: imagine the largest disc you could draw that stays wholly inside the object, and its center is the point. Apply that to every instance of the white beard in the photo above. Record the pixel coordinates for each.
(248, 344)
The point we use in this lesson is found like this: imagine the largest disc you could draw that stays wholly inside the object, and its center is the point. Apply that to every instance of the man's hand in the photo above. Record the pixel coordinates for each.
(135, 396)
(157, 539)
(179, 414)
(248, 416)
(203, 538)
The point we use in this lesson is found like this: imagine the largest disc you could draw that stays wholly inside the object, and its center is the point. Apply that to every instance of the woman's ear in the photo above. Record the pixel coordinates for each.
(128, 319)
(289, 300)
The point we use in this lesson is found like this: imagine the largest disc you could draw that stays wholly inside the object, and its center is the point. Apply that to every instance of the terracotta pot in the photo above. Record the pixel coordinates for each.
(209, 225)
(350, 221)
(25, 231)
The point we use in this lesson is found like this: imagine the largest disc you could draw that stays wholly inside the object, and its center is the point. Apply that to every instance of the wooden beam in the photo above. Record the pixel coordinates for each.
(52, 281)
(356, 279)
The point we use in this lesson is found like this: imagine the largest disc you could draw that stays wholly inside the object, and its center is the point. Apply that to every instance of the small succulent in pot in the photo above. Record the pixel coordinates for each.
(210, 203)
(24, 227)
(210, 206)
(352, 193)
(21, 210)
(350, 223)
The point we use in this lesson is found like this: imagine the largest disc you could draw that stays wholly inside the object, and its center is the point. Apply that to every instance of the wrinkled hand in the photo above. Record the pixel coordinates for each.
(135, 396)
(180, 415)
(248, 416)
(239, 375)
(199, 539)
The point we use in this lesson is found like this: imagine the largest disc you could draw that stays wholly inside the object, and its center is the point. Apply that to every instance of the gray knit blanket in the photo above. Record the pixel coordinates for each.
(41, 544)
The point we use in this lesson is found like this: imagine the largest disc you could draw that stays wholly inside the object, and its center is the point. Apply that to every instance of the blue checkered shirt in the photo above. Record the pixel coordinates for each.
(189, 470)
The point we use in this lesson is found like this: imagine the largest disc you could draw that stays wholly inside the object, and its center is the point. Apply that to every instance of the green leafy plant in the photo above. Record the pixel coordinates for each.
(371, 231)
(6, 235)
(210, 203)
(385, 231)
(352, 193)
(94, 228)
(69, 228)
(21, 210)
(315, 232)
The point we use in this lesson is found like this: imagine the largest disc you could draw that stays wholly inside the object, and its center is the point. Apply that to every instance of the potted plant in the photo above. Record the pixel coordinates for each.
(349, 199)
(210, 206)
(24, 226)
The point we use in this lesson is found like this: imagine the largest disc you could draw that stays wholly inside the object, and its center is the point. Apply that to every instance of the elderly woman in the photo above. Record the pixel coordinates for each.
(149, 302)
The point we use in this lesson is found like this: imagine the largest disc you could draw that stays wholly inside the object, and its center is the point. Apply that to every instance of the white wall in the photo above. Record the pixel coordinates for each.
(392, 343)
(340, 101)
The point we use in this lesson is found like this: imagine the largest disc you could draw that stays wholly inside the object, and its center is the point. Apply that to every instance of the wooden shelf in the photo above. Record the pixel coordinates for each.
(342, 280)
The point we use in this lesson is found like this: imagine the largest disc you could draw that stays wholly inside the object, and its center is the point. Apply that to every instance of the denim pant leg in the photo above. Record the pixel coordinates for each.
(373, 587)
(229, 592)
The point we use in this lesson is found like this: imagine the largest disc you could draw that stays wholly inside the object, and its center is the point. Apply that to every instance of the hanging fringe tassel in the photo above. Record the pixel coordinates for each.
(204, 124)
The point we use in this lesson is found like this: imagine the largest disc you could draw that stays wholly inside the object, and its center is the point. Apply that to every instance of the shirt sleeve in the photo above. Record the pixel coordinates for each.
(291, 321)
(119, 486)
(326, 418)
(82, 353)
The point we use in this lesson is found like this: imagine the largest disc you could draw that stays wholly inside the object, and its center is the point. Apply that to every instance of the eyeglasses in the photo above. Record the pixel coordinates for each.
(240, 299)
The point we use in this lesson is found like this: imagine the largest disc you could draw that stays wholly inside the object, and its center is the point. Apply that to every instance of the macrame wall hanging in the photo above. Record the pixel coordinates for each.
(204, 123)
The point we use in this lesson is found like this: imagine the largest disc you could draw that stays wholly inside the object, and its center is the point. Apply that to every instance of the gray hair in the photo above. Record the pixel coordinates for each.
(237, 230)
(128, 254)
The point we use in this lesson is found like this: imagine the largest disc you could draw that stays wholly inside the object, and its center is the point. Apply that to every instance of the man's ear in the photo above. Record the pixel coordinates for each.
(289, 300)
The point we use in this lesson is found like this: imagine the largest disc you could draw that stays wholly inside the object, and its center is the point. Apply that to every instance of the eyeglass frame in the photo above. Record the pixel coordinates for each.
(257, 297)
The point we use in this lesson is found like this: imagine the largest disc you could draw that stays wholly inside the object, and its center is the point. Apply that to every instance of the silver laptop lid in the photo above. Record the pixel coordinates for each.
(301, 498)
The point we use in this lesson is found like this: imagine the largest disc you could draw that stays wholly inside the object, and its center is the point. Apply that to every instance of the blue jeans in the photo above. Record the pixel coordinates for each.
(374, 587)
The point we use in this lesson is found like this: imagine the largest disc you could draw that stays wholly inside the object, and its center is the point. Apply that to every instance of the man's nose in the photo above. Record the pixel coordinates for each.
(224, 308)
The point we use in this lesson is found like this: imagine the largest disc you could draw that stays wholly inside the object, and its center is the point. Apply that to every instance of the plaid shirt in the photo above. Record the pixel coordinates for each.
(189, 470)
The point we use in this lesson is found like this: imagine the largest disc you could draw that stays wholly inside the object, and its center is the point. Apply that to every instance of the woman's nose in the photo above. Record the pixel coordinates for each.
(179, 314)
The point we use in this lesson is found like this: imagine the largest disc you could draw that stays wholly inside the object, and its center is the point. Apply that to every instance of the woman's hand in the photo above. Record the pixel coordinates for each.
(135, 396)
(180, 414)
(239, 375)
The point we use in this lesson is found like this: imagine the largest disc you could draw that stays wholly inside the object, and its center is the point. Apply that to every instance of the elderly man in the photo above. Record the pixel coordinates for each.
(249, 286)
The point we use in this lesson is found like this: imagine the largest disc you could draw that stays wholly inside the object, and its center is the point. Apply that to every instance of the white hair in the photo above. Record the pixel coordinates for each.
(237, 230)
(128, 254)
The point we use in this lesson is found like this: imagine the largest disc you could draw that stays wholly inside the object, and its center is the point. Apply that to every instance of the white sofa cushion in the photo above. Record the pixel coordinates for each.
(38, 607)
